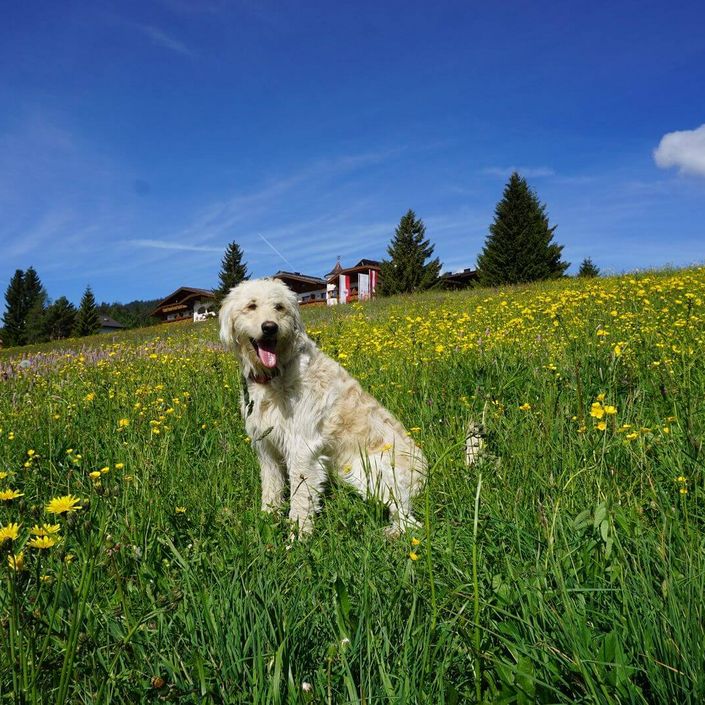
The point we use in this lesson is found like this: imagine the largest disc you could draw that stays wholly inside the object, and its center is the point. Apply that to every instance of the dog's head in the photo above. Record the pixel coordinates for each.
(260, 319)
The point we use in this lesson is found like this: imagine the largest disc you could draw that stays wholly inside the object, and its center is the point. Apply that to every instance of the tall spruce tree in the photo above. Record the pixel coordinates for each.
(60, 319)
(15, 311)
(233, 270)
(519, 247)
(407, 270)
(35, 303)
(87, 318)
(588, 268)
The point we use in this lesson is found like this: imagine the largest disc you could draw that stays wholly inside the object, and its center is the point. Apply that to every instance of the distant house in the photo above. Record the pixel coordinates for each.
(109, 325)
(308, 289)
(356, 283)
(184, 304)
(457, 280)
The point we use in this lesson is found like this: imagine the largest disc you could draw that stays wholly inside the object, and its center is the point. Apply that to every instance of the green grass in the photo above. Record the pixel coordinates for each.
(566, 566)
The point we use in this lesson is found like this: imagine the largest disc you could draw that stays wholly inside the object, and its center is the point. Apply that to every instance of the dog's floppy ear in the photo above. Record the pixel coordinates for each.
(295, 311)
(226, 316)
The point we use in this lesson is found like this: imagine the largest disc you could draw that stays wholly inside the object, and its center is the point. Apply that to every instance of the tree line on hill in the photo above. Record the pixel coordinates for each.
(31, 318)
(519, 249)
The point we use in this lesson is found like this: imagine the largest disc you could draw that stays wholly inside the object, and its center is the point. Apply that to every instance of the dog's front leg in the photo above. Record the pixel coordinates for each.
(307, 475)
(271, 475)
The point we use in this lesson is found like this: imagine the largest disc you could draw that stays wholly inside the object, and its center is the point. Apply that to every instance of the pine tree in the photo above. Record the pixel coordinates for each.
(232, 271)
(60, 319)
(15, 312)
(519, 247)
(35, 304)
(407, 270)
(87, 318)
(588, 268)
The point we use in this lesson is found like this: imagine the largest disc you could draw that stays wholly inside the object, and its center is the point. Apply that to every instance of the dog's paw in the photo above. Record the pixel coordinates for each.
(401, 525)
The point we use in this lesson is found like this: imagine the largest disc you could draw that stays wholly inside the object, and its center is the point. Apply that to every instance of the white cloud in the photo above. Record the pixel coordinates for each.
(163, 39)
(684, 149)
(169, 245)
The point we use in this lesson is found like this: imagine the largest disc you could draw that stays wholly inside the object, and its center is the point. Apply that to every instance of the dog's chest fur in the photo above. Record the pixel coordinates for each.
(283, 411)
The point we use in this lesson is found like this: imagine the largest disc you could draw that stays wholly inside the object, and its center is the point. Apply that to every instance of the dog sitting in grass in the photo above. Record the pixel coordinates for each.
(308, 418)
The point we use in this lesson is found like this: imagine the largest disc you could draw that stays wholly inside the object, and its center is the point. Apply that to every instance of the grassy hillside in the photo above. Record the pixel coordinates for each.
(568, 565)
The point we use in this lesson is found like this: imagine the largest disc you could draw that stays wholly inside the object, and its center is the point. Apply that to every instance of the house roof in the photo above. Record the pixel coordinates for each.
(297, 276)
(300, 283)
(108, 322)
(362, 266)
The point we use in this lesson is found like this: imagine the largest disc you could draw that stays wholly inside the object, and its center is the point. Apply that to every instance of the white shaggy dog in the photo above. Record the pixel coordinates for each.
(307, 417)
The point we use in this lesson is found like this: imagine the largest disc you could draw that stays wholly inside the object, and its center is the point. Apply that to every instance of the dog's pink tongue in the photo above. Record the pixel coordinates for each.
(266, 354)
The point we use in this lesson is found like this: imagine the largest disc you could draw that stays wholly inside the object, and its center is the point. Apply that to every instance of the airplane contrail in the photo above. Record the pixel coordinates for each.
(264, 239)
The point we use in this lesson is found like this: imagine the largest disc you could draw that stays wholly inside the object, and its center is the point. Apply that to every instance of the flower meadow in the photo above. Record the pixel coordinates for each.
(566, 565)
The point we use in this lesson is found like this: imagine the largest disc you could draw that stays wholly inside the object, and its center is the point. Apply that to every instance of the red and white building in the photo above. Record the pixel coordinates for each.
(358, 283)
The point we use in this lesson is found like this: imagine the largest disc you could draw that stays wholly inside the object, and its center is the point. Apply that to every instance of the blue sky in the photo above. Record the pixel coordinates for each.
(137, 139)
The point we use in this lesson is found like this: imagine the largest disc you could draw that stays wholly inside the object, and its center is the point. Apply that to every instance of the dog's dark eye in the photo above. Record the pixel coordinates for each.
(252, 306)
(279, 307)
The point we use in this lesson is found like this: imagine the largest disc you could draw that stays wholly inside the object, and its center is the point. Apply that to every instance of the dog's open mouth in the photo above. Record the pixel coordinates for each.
(266, 350)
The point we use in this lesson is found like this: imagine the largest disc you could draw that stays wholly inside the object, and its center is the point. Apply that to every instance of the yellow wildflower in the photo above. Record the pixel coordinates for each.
(45, 529)
(42, 542)
(525, 407)
(16, 561)
(9, 533)
(414, 556)
(7, 495)
(61, 505)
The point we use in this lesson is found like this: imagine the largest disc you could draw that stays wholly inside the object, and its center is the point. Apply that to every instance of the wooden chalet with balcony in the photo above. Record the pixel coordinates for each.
(186, 303)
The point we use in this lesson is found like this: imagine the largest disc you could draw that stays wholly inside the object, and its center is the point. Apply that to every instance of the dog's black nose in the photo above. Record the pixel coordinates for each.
(270, 328)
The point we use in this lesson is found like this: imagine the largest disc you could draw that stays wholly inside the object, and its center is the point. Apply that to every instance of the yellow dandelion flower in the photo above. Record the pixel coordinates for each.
(9, 532)
(104, 470)
(61, 505)
(597, 410)
(94, 475)
(16, 561)
(525, 407)
(3, 475)
(119, 466)
(180, 510)
(602, 426)
(413, 555)
(31, 452)
(610, 410)
(123, 423)
(415, 541)
(7, 495)
(45, 529)
(42, 542)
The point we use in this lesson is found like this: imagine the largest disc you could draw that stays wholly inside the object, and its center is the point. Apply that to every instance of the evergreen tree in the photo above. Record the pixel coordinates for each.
(60, 319)
(232, 271)
(87, 318)
(15, 312)
(35, 301)
(588, 269)
(519, 247)
(407, 270)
